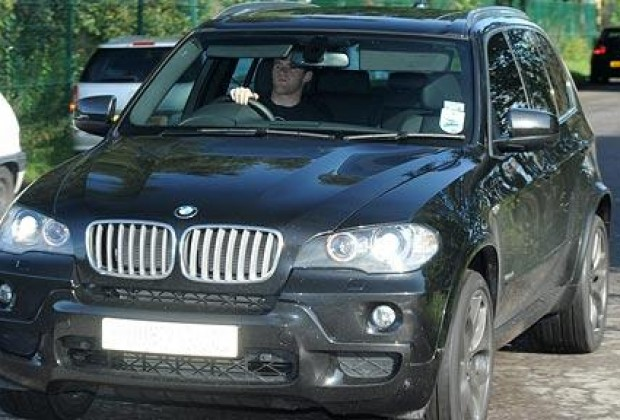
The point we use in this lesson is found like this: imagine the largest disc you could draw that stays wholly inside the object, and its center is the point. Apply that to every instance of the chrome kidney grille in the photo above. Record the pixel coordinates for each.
(208, 253)
(131, 249)
(229, 254)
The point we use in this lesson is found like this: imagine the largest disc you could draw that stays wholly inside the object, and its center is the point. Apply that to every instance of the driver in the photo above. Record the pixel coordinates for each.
(287, 100)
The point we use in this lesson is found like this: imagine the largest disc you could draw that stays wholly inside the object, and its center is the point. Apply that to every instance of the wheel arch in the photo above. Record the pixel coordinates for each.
(486, 262)
(601, 206)
(603, 210)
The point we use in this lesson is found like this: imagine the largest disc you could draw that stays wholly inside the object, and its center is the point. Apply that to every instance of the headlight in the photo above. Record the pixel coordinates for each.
(24, 230)
(375, 249)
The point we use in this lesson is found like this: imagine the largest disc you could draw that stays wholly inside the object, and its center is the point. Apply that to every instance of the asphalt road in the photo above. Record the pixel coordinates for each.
(525, 385)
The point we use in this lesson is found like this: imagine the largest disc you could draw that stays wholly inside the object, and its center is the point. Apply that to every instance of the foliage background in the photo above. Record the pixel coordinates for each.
(45, 43)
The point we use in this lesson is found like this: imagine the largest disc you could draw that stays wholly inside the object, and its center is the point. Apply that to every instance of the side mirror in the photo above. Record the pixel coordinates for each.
(95, 114)
(530, 129)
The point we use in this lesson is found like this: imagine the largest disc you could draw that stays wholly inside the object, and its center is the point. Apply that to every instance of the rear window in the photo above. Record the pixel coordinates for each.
(113, 65)
(611, 37)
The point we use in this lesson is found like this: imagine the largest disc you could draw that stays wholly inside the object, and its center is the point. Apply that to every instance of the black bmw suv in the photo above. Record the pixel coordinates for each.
(605, 59)
(369, 262)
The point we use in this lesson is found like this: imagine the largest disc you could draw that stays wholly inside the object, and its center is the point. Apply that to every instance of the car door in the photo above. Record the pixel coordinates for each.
(526, 200)
(526, 47)
(571, 156)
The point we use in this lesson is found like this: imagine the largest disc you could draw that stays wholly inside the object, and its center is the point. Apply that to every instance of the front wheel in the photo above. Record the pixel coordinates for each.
(464, 380)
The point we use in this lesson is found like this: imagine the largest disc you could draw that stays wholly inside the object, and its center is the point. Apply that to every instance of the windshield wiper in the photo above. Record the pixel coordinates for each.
(403, 136)
(250, 132)
(294, 132)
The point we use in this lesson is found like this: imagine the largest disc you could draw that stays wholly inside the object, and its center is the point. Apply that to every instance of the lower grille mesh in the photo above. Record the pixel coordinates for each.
(178, 300)
(256, 367)
(367, 366)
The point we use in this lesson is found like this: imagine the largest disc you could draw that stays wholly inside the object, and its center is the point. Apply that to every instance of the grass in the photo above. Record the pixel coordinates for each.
(580, 70)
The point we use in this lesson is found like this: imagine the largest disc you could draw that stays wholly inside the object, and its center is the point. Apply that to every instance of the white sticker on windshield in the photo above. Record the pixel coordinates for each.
(452, 117)
(456, 106)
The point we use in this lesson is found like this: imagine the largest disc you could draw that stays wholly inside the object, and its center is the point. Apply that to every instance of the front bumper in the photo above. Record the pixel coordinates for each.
(308, 349)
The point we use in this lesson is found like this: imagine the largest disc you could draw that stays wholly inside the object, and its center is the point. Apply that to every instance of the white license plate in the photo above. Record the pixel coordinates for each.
(170, 338)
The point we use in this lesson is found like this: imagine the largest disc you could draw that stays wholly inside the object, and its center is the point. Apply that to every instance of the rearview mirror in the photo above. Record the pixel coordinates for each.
(327, 59)
(95, 114)
(529, 129)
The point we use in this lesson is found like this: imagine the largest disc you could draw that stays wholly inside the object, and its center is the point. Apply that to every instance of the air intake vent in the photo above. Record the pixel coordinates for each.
(131, 249)
(230, 254)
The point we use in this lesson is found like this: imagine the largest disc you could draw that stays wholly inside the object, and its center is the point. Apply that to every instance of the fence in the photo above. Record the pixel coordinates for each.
(44, 44)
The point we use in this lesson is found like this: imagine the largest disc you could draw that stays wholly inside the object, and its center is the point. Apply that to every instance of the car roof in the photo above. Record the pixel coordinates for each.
(137, 41)
(363, 19)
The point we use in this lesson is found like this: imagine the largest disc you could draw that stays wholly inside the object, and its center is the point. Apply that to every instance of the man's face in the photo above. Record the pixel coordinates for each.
(288, 79)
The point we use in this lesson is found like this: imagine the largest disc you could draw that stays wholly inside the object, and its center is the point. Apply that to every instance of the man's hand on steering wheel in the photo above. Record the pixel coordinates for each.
(242, 95)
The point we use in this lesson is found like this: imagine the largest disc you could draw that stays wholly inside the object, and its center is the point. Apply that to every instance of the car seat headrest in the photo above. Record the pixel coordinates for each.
(444, 88)
(334, 81)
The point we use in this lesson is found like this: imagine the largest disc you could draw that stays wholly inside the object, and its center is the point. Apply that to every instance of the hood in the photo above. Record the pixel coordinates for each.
(260, 182)
(299, 187)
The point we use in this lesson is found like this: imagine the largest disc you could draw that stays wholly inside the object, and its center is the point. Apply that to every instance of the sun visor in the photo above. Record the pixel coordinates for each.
(249, 51)
(404, 60)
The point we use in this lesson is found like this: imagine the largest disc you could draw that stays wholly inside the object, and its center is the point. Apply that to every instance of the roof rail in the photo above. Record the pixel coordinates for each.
(258, 6)
(495, 12)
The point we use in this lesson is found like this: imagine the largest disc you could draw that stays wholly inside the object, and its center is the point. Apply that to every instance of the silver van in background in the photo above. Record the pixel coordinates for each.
(118, 67)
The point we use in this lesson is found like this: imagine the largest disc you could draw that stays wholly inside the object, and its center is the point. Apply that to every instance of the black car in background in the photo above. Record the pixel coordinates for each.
(369, 262)
(605, 60)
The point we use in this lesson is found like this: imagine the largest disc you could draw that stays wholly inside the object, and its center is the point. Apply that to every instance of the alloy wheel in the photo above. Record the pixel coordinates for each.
(475, 364)
(598, 269)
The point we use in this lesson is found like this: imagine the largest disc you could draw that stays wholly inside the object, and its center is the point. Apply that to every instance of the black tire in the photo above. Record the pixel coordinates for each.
(463, 384)
(7, 188)
(599, 78)
(60, 404)
(580, 327)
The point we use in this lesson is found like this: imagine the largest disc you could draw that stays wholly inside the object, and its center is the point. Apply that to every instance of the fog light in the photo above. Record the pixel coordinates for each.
(383, 317)
(6, 296)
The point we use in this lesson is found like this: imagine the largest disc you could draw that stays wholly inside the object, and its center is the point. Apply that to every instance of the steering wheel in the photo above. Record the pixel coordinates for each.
(261, 110)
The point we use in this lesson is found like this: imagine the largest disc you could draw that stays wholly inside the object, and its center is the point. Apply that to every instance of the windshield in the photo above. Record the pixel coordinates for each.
(338, 84)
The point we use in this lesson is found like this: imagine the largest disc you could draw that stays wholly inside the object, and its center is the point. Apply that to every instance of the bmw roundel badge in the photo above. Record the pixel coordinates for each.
(185, 212)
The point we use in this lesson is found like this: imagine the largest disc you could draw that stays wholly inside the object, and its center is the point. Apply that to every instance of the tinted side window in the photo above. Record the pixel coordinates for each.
(506, 90)
(114, 65)
(562, 88)
(611, 38)
(532, 66)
